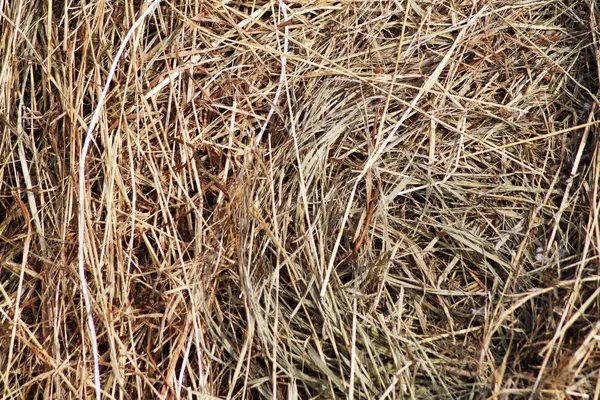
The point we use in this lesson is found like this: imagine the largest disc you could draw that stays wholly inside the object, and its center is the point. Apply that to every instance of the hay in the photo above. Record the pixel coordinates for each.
(299, 199)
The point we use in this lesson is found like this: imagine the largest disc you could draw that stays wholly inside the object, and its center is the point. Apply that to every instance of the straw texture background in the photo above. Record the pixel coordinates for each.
(299, 199)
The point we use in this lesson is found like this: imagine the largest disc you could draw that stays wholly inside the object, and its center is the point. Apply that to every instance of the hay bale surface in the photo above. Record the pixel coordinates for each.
(299, 199)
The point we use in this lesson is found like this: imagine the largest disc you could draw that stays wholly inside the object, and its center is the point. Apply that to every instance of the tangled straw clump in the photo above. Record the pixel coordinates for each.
(300, 199)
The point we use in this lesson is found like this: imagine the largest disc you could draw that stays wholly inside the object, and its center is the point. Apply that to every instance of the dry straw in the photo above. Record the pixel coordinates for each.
(299, 199)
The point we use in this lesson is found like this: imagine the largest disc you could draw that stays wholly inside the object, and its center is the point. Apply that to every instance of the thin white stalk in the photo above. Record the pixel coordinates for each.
(86, 145)
(353, 342)
(281, 81)
(276, 277)
(186, 356)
